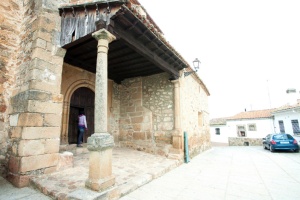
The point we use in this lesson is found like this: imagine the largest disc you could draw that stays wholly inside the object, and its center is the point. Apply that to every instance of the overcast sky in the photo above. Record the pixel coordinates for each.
(249, 49)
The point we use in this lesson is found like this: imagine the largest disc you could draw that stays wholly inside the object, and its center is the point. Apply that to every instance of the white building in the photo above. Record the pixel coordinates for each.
(249, 125)
(286, 119)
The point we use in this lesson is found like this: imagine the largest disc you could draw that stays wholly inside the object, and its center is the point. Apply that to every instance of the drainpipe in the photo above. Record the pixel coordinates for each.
(186, 148)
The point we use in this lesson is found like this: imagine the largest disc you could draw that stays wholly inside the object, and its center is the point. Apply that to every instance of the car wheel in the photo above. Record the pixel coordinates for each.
(265, 147)
(296, 150)
(271, 149)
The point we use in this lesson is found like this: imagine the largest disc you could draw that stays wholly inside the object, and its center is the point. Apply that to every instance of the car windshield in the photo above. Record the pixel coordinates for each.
(280, 137)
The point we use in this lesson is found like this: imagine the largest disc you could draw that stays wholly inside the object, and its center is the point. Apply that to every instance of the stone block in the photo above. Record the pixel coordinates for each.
(31, 163)
(139, 136)
(39, 95)
(57, 98)
(45, 86)
(42, 65)
(14, 164)
(39, 43)
(31, 147)
(18, 181)
(15, 132)
(58, 61)
(136, 127)
(41, 53)
(66, 160)
(50, 170)
(30, 119)
(146, 127)
(137, 119)
(44, 107)
(43, 35)
(30, 133)
(130, 109)
(47, 24)
(52, 146)
(13, 120)
(136, 96)
(100, 184)
(134, 114)
(52, 120)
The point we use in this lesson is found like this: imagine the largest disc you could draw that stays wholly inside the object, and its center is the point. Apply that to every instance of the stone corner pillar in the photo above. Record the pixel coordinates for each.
(100, 144)
(177, 134)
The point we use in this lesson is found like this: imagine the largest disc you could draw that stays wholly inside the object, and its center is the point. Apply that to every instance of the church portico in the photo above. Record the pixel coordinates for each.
(112, 61)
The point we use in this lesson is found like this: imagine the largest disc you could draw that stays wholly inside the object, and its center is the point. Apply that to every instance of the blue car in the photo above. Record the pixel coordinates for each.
(280, 141)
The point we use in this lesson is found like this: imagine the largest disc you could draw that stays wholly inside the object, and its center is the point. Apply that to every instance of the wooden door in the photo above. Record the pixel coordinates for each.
(82, 99)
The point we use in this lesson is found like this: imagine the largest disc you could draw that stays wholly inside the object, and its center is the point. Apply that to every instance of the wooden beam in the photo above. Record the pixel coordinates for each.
(131, 41)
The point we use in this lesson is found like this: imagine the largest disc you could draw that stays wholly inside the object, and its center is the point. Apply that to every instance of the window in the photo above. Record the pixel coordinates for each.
(217, 131)
(200, 119)
(281, 126)
(241, 131)
(252, 127)
(295, 125)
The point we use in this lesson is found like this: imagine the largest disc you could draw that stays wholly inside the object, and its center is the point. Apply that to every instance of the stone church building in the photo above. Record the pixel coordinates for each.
(106, 58)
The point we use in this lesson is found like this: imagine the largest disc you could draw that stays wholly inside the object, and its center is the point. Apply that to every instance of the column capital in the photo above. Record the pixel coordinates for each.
(100, 142)
(176, 82)
(104, 35)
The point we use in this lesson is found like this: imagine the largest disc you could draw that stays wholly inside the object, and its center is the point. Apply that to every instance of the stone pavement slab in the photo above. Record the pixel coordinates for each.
(131, 168)
(228, 173)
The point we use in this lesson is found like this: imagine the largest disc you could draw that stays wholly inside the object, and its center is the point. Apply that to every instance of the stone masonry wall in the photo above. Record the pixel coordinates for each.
(146, 119)
(244, 141)
(10, 19)
(36, 103)
(158, 96)
(194, 105)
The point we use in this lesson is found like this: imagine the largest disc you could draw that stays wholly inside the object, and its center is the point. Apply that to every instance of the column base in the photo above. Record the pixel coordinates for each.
(177, 139)
(100, 184)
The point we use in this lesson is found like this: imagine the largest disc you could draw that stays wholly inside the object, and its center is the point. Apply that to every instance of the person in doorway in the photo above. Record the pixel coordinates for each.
(82, 126)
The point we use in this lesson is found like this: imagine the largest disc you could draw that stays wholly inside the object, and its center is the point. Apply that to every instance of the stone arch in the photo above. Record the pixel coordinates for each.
(66, 106)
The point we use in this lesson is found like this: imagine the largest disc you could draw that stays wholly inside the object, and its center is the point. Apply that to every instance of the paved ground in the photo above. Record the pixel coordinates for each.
(131, 168)
(229, 173)
(220, 173)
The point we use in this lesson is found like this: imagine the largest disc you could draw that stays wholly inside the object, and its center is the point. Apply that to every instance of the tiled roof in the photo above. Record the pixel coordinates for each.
(218, 121)
(286, 107)
(255, 114)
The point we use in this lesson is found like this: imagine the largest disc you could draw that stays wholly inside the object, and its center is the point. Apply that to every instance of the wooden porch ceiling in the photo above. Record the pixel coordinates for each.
(136, 52)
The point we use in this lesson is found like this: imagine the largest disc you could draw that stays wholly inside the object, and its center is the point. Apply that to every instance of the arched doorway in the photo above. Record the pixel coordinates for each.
(82, 99)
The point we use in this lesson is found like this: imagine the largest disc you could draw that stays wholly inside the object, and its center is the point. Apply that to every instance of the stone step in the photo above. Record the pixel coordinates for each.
(73, 148)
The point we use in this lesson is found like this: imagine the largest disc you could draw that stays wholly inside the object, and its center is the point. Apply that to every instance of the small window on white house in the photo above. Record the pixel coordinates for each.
(241, 131)
(281, 126)
(218, 131)
(252, 127)
(295, 125)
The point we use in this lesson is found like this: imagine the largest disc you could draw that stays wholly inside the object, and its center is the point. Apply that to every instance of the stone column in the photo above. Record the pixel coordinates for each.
(100, 144)
(178, 133)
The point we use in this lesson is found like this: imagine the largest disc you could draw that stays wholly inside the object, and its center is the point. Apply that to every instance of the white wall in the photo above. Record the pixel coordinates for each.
(223, 137)
(263, 127)
(287, 118)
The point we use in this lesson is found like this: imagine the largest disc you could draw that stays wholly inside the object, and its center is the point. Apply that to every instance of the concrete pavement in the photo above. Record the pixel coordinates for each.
(9, 192)
(229, 173)
(220, 173)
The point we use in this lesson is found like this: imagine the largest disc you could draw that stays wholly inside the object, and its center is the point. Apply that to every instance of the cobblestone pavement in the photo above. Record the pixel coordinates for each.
(228, 173)
(131, 168)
